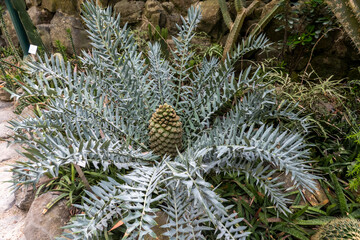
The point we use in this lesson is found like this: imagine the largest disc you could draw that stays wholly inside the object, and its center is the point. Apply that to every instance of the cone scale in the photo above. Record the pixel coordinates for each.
(165, 130)
(339, 229)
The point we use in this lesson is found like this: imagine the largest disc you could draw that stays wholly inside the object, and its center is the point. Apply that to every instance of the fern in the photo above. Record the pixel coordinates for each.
(98, 117)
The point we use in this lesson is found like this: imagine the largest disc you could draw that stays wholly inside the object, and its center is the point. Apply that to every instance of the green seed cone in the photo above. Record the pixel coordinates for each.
(165, 131)
(339, 229)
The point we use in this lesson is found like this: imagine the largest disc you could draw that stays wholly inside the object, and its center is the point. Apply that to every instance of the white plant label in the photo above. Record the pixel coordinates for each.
(32, 49)
(82, 164)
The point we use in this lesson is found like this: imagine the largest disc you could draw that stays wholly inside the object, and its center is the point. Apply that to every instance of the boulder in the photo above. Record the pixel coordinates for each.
(58, 31)
(173, 19)
(33, 2)
(39, 15)
(65, 6)
(168, 6)
(44, 33)
(155, 13)
(28, 3)
(4, 95)
(7, 198)
(326, 66)
(210, 12)
(5, 131)
(11, 218)
(182, 5)
(271, 29)
(50, 5)
(130, 11)
(39, 226)
(8, 153)
(25, 195)
(339, 47)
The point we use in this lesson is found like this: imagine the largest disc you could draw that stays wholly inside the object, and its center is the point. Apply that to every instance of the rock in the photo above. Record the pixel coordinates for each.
(271, 29)
(58, 27)
(155, 13)
(326, 42)
(210, 12)
(28, 3)
(354, 73)
(287, 184)
(50, 5)
(168, 6)
(65, 6)
(130, 12)
(152, 7)
(44, 33)
(5, 131)
(11, 224)
(47, 226)
(170, 43)
(31, 3)
(8, 153)
(7, 113)
(25, 195)
(7, 198)
(182, 5)
(161, 219)
(10, 29)
(338, 44)
(39, 15)
(172, 20)
(302, 62)
(4, 95)
(11, 218)
(326, 66)
(318, 197)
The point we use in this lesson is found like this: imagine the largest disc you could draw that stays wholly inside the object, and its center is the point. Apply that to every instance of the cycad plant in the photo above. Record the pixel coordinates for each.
(162, 125)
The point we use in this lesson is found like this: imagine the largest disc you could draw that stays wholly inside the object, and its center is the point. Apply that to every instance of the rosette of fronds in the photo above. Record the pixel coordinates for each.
(99, 118)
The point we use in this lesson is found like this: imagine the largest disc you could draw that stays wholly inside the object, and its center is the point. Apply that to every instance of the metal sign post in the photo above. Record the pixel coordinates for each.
(25, 29)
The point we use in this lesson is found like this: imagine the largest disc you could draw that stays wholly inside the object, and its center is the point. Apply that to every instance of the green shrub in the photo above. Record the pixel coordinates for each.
(354, 170)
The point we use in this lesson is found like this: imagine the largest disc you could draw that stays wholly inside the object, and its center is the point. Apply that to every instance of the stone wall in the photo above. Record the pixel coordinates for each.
(53, 17)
